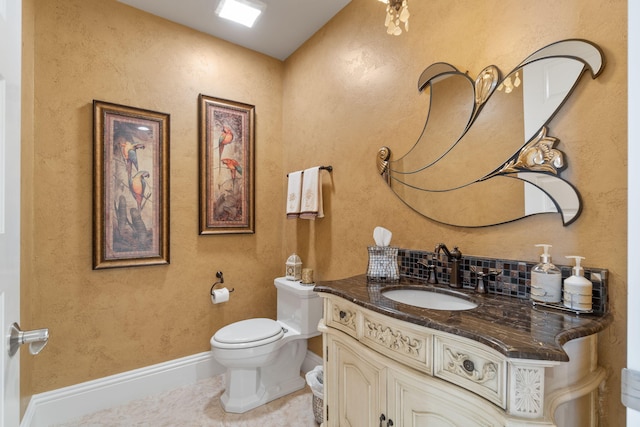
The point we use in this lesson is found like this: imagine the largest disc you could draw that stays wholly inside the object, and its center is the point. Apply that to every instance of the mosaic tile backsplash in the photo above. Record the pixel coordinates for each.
(501, 276)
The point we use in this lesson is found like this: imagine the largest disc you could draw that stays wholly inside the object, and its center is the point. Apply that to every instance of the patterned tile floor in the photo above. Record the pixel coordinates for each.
(198, 405)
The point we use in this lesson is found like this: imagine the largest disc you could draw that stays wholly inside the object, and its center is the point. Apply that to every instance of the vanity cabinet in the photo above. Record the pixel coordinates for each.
(383, 371)
(358, 384)
(364, 389)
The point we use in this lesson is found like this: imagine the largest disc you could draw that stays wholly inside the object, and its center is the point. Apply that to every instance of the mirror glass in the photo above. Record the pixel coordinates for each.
(485, 155)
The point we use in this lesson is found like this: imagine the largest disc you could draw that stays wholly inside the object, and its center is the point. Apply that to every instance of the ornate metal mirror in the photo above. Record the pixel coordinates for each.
(485, 156)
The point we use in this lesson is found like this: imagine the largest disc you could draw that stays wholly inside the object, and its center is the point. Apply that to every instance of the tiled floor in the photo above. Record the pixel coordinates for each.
(199, 406)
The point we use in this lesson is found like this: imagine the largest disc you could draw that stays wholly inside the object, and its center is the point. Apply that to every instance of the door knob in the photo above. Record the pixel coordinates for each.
(36, 339)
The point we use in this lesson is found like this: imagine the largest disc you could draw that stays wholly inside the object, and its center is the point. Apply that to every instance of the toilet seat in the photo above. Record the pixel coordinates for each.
(248, 333)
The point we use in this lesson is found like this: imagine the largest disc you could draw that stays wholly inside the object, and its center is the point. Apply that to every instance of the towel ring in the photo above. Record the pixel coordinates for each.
(219, 282)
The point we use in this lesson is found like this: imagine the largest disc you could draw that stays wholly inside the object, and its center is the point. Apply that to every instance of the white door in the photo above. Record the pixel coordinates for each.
(10, 57)
(633, 236)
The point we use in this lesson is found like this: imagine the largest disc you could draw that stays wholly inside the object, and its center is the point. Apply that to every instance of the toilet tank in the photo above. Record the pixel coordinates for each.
(299, 307)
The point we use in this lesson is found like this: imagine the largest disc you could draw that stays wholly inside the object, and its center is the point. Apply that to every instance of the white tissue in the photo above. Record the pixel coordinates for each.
(220, 295)
(382, 236)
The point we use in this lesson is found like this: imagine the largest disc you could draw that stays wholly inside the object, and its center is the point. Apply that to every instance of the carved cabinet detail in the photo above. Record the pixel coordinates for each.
(341, 316)
(379, 369)
(472, 366)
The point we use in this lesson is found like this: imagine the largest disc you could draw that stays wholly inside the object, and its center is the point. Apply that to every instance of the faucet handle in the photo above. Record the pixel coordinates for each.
(455, 253)
(431, 270)
(423, 262)
(432, 276)
(480, 286)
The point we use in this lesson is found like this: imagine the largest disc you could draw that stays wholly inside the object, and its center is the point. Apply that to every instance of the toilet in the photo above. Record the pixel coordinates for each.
(263, 356)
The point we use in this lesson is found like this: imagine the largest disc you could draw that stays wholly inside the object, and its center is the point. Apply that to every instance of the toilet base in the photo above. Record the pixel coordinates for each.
(262, 396)
(248, 388)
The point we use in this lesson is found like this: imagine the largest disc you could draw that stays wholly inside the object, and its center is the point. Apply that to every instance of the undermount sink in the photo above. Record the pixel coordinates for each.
(425, 298)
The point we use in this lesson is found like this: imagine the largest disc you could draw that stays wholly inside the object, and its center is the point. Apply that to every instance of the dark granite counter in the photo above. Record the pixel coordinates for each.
(511, 326)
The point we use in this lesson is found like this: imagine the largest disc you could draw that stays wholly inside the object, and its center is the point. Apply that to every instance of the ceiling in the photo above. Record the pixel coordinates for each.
(283, 27)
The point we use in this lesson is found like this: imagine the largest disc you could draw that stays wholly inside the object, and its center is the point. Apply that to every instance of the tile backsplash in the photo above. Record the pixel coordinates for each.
(513, 278)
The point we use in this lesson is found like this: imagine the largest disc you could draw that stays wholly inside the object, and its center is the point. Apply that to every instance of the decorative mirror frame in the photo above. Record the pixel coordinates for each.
(535, 166)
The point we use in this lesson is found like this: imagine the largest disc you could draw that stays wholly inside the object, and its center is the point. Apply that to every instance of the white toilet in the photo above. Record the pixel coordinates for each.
(263, 357)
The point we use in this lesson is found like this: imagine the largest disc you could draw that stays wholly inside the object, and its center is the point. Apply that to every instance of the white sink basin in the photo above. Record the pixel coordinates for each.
(429, 299)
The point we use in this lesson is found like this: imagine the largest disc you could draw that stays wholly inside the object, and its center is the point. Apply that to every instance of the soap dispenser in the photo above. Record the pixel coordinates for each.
(546, 279)
(578, 289)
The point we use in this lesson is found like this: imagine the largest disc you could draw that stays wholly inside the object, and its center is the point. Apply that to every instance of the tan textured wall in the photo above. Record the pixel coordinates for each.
(109, 321)
(352, 89)
(348, 91)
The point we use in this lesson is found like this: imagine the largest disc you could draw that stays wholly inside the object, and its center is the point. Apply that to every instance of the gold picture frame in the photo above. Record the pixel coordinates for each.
(131, 186)
(226, 172)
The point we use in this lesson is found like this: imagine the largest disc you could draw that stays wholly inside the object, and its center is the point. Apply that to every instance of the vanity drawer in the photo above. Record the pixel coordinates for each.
(341, 315)
(401, 341)
(467, 364)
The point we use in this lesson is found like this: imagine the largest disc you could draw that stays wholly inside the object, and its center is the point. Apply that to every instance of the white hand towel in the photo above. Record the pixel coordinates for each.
(311, 205)
(293, 194)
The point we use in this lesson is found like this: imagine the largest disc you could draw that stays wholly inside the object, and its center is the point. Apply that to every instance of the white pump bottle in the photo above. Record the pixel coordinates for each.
(546, 279)
(578, 289)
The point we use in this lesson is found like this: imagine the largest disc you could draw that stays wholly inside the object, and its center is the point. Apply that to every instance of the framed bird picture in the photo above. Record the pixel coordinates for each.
(131, 186)
(226, 178)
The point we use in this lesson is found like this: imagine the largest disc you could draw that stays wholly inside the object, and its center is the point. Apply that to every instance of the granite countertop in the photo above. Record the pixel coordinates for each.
(511, 326)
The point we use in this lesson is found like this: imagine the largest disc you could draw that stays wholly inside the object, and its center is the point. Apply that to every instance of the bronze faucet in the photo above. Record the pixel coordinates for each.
(454, 257)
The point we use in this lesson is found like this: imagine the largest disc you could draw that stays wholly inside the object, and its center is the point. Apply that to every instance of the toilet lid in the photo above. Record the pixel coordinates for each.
(250, 330)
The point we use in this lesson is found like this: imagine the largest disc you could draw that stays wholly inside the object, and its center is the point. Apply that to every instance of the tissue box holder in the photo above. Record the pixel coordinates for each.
(383, 264)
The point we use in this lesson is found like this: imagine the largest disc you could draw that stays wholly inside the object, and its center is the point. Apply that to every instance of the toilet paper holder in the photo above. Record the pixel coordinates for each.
(219, 282)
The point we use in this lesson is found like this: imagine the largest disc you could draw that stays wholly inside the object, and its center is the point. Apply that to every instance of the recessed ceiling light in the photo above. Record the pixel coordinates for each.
(241, 11)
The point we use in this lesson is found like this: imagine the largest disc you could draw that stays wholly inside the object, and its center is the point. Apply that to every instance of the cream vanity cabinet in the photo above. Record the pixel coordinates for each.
(381, 371)
(364, 389)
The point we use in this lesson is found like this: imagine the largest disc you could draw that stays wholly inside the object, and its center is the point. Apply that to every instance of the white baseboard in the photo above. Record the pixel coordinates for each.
(310, 361)
(68, 403)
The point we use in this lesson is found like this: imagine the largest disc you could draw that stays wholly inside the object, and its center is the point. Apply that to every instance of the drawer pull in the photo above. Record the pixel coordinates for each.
(342, 314)
(461, 365)
(468, 365)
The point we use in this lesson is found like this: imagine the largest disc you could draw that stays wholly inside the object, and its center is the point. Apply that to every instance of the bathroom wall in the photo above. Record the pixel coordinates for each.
(352, 89)
(110, 321)
(346, 92)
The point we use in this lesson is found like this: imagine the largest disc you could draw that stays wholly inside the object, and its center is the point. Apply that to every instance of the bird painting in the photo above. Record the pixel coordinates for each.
(138, 187)
(226, 138)
(234, 167)
(128, 151)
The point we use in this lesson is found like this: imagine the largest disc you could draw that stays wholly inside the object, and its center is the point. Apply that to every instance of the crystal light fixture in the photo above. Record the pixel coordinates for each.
(397, 12)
